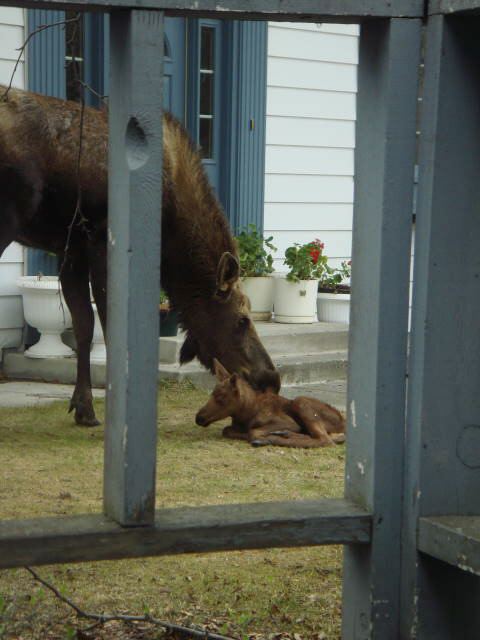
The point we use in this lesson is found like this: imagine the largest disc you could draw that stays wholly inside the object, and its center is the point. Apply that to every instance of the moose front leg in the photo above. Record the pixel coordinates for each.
(97, 255)
(76, 290)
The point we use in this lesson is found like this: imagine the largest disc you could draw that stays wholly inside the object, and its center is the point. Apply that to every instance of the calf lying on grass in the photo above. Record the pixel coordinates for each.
(263, 417)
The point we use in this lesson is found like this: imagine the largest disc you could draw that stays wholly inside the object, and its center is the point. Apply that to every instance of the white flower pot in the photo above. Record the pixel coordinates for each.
(99, 350)
(260, 293)
(295, 301)
(44, 308)
(333, 307)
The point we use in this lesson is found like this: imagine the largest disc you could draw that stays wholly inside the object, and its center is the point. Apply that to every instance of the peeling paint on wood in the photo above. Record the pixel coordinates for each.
(184, 530)
(348, 11)
(453, 539)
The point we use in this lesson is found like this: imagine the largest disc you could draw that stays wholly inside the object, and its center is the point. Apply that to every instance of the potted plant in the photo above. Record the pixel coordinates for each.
(256, 268)
(296, 294)
(44, 308)
(168, 317)
(333, 298)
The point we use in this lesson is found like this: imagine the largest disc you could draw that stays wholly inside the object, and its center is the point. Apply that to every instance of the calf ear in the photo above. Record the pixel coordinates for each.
(228, 271)
(220, 371)
(189, 350)
(234, 383)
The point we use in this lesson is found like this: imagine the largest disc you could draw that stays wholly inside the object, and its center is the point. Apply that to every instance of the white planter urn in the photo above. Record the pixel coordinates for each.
(260, 293)
(295, 302)
(98, 353)
(333, 307)
(44, 308)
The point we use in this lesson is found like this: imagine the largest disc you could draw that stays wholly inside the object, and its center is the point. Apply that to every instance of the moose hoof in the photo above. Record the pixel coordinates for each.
(84, 421)
(84, 416)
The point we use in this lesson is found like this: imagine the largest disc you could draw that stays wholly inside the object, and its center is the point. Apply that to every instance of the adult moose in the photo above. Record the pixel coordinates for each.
(39, 139)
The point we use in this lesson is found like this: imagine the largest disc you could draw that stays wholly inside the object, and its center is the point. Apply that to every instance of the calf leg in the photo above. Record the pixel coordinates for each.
(290, 439)
(281, 431)
(75, 286)
(234, 433)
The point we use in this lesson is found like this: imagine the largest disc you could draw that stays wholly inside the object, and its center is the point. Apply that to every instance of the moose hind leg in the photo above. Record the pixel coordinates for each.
(75, 285)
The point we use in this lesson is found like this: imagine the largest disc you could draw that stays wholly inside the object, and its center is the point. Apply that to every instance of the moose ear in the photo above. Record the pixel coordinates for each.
(228, 271)
(189, 350)
(220, 371)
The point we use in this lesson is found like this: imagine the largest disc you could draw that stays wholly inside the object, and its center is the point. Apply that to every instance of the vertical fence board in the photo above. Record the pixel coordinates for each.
(135, 183)
(384, 172)
(443, 426)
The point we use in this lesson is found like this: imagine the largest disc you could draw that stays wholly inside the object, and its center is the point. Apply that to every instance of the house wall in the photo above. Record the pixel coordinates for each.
(310, 137)
(12, 21)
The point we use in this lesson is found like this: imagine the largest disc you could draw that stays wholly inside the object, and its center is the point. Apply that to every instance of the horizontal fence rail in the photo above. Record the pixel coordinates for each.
(184, 530)
(452, 539)
(449, 7)
(349, 11)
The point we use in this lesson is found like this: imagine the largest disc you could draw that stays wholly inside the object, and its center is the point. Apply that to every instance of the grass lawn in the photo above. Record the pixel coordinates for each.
(50, 467)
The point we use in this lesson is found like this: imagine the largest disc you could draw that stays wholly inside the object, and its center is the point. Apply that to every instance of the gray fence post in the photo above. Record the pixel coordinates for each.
(135, 187)
(384, 173)
(443, 432)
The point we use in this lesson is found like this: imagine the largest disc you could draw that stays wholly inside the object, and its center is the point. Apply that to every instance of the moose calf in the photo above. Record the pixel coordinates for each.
(263, 417)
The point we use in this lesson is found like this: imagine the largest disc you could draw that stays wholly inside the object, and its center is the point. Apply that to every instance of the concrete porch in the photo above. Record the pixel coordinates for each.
(312, 359)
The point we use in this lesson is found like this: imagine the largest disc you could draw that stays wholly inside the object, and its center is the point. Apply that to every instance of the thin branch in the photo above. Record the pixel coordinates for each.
(101, 618)
(21, 49)
(98, 95)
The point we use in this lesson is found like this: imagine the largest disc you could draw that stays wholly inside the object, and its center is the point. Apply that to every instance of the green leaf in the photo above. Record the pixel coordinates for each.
(254, 259)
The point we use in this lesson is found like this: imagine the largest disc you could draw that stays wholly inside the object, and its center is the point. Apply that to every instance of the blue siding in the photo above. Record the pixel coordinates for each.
(246, 91)
(46, 74)
(46, 54)
(94, 51)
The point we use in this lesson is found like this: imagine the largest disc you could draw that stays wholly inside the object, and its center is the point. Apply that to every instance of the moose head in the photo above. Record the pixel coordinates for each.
(221, 328)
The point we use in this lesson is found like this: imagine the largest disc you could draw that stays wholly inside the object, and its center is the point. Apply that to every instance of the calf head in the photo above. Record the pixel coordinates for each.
(228, 398)
(221, 328)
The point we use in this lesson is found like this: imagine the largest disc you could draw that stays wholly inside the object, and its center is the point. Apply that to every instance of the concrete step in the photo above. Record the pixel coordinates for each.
(333, 392)
(308, 368)
(287, 339)
(294, 369)
(279, 339)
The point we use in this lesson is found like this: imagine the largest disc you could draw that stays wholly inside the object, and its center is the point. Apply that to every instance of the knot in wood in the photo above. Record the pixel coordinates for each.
(136, 144)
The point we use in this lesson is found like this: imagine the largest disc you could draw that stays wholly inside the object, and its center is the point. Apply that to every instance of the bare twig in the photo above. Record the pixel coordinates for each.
(101, 618)
(21, 49)
(85, 85)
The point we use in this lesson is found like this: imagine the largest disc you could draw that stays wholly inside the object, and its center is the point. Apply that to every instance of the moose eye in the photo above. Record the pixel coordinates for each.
(243, 323)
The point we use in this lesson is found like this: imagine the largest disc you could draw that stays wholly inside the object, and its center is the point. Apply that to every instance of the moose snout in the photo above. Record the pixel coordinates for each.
(201, 419)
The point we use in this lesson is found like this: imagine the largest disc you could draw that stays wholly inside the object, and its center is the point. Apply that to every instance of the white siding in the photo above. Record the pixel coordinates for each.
(311, 102)
(11, 263)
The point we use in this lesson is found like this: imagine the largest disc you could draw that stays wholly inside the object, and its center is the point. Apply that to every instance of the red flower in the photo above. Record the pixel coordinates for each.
(315, 254)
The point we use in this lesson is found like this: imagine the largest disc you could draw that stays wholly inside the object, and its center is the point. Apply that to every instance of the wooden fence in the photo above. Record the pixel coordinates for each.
(410, 518)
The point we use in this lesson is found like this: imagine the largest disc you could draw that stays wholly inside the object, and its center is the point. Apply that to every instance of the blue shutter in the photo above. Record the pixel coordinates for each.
(46, 74)
(95, 43)
(246, 90)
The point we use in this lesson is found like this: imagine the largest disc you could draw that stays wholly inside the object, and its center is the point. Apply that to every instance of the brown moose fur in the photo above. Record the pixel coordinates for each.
(39, 138)
(263, 417)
